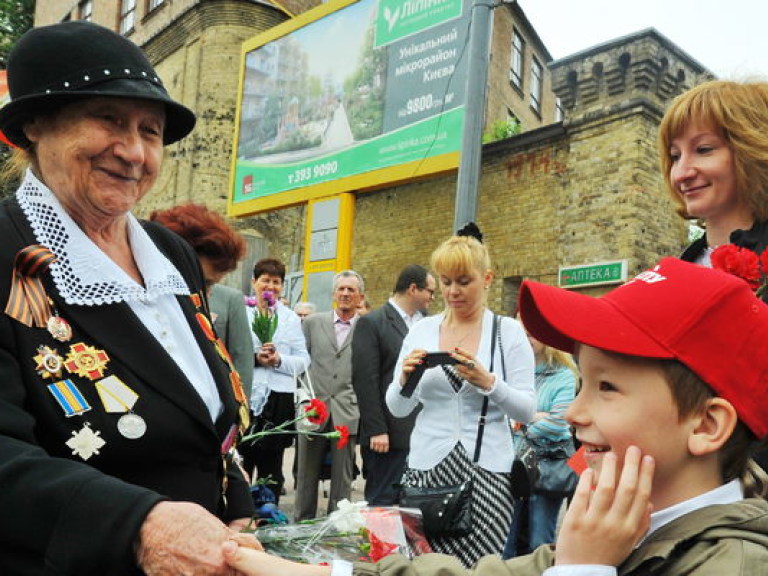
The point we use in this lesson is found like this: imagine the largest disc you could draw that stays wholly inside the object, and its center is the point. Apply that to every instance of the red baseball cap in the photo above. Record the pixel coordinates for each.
(709, 320)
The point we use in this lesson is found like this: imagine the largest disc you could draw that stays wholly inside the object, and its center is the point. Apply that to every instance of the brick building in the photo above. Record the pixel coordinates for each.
(579, 190)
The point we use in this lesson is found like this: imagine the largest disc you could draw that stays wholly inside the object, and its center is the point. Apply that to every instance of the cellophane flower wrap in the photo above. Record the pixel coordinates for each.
(354, 532)
(265, 318)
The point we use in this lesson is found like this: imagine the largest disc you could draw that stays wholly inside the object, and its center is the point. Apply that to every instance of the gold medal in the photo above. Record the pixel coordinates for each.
(86, 361)
(48, 362)
(59, 328)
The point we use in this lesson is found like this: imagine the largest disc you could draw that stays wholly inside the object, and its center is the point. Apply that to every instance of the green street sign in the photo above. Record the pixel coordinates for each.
(596, 274)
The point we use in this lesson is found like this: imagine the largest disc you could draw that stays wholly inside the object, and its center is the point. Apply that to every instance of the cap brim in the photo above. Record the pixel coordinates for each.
(560, 318)
(179, 120)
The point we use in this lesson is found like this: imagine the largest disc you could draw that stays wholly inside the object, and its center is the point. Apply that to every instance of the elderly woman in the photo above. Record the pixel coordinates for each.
(118, 406)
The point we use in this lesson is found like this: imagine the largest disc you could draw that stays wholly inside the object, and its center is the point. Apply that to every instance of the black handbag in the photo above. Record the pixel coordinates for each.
(525, 471)
(447, 510)
(542, 468)
(554, 477)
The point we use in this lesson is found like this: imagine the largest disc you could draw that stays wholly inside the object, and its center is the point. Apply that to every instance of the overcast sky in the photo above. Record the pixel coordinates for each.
(729, 37)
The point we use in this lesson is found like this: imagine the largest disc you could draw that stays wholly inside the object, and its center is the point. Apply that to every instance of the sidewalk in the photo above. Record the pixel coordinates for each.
(288, 499)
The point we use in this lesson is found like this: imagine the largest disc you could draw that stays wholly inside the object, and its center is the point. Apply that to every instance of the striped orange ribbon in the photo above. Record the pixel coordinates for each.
(28, 302)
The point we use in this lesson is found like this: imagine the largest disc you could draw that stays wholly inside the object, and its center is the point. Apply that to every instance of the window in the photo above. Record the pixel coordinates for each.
(152, 4)
(536, 77)
(127, 15)
(559, 114)
(85, 10)
(516, 64)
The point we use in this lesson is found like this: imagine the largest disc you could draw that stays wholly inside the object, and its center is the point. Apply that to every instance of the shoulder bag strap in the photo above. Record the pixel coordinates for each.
(484, 410)
(305, 381)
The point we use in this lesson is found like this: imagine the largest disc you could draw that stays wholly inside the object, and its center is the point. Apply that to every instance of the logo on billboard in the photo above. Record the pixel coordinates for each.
(400, 18)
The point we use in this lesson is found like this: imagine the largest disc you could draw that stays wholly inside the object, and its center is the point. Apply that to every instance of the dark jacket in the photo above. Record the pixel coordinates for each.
(61, 514)
(716, 540)
(375, 349)
(756, 239)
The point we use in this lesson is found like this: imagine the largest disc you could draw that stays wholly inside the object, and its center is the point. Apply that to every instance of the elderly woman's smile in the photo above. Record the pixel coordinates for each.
(100, 154)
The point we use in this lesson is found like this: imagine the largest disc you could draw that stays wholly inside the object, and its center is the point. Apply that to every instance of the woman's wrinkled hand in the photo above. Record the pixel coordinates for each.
(184, 538)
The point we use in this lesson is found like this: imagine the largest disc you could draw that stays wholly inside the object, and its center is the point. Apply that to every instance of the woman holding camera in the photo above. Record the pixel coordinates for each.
(493, 364)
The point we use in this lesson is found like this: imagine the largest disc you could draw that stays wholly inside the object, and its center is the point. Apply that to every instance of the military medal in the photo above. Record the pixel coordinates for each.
(85, 442)
(69, 398)
(59, 328)
(117, 396)
(48, 362)
(131, 426)
(86, 361)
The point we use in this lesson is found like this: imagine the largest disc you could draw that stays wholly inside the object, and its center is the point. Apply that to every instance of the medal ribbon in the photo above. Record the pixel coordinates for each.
(28, 302)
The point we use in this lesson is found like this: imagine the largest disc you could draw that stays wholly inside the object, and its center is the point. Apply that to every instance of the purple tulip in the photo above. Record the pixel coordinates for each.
(251, 301)
(269, 299)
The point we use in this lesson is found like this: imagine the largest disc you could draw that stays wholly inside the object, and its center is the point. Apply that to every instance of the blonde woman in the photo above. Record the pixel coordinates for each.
(443, 441)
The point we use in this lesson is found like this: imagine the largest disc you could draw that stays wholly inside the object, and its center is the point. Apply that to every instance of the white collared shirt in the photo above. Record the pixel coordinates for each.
(409, 320)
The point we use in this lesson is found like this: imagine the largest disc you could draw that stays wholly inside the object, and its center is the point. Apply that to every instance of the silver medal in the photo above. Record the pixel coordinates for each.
(131, 426)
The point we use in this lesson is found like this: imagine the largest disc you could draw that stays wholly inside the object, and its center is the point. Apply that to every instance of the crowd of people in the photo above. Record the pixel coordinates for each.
(130, 372)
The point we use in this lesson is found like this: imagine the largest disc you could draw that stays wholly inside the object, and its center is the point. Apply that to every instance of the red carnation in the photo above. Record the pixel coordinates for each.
(343, 432)
(738, 261)
(316, 412)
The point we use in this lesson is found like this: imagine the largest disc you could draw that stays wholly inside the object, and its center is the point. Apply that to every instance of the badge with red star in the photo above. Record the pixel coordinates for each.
(48, 362)
(86, 361)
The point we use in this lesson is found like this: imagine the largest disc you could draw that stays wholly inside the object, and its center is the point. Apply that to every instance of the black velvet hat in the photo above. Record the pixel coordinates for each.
(53, 65)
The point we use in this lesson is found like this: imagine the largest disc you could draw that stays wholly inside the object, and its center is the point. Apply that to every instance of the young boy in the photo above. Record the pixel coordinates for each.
(674, 395)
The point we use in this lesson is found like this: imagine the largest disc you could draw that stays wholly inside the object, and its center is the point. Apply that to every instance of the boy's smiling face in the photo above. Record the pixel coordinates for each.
(626, 401)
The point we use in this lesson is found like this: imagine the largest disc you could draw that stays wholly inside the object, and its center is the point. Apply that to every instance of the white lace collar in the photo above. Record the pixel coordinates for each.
(83, 274)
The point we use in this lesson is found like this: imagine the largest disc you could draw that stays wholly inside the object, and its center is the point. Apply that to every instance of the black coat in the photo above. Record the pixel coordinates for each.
(375, 349)
(61, 514)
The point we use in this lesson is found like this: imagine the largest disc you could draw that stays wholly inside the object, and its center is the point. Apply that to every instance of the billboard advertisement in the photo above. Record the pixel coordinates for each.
(348, 96)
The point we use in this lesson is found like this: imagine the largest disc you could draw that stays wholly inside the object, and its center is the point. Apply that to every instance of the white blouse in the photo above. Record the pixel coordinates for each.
(449, 417)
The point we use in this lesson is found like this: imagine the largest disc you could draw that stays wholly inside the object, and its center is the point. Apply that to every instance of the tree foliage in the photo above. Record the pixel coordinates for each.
(16, 17)
(502, 129)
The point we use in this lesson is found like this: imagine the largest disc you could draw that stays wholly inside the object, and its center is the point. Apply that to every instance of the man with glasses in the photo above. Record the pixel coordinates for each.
(384, 439)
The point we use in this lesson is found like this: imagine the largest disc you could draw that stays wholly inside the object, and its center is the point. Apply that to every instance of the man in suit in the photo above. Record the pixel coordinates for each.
(384, 439)
(329, 342)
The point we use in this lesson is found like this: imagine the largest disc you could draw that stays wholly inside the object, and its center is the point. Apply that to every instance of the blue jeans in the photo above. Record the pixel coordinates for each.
(539, 515)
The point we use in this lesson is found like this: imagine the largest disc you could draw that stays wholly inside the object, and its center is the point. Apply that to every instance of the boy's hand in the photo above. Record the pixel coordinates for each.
(249, 562)
(603, 527)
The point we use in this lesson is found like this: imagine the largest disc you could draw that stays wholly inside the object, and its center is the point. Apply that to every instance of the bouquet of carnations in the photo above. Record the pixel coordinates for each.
(354, 532)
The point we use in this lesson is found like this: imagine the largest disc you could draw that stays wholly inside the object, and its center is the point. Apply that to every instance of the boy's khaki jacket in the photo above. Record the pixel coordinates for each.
(730, 539)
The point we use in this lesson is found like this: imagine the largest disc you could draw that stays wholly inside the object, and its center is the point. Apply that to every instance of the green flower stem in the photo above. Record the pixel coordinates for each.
(282, 429)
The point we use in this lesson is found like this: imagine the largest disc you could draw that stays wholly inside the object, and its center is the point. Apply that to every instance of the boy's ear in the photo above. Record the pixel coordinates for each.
(713, 426)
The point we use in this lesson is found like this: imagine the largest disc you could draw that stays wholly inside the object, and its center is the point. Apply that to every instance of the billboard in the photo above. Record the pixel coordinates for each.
(348, 96)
